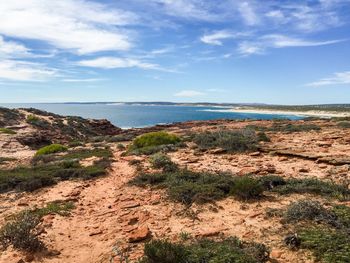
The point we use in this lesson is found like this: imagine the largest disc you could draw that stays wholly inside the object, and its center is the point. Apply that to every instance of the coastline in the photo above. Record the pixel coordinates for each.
(313, 113)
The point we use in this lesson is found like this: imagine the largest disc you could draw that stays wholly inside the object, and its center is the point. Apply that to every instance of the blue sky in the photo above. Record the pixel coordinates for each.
(281, 52)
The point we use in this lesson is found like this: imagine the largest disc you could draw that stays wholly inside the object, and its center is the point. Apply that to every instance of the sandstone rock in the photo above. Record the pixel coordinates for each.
(139, 234)
(276, 253)
(248, 170)
(130, 205)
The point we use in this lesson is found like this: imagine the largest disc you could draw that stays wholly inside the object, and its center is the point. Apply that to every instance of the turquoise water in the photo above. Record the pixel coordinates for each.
(127, 116)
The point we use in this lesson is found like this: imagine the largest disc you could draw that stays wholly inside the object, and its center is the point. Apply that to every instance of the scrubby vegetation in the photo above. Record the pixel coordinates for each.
(205, 251)
(22, 229)
(162, 161)
(7, 131)
(188, 187)
(328, 245)
(53, 148)
(36, 121)
(230, 141)
(312, 186)
(325, 231)
(286, 127)
(154, 142)
(48, 169)
(246, 188)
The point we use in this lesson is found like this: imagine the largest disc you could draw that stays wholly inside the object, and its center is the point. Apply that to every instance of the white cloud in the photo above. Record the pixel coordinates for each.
(248, 13)
(77, 25)
(338, 78)
(259, 45)
(280, 41)
(12, 49)
(113, 62)
(82, 80)
(216, 37)
(24, 71)
(189, 94)
(189, 9)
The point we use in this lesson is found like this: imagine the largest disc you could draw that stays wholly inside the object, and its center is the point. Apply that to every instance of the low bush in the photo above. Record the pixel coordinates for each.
(75, 144)
(313, 186)
(246, 187)
(187, 187)
(7, 131)
(38, 122)
(162, 161)
(285, 127)
(22, 233)
(230, 141)
(121, 138)
(155, 139)
(87, 153)
(153, 142)
(309, 210)
(328, 245)
(32, 178)
(205, 251)
(53, 148)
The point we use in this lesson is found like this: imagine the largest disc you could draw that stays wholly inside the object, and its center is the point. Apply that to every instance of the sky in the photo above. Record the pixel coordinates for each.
(235, 51)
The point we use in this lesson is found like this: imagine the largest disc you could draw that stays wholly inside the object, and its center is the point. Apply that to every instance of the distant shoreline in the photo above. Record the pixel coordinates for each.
(311, 113)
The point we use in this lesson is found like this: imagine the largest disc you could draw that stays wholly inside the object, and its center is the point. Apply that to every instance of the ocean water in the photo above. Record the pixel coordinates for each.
(127, 116)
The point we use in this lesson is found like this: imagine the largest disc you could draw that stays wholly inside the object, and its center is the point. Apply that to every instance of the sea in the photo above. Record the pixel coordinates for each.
(137, 116)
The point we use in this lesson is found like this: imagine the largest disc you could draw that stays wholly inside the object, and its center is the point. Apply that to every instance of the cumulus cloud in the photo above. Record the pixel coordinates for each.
(189, 94)
(76, 25)
(338, 78)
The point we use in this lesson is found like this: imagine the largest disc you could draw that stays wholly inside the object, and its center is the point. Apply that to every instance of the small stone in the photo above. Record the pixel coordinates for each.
(29, 258)
(276, 253)
(95, 233)
(130, 205)
(139, 234)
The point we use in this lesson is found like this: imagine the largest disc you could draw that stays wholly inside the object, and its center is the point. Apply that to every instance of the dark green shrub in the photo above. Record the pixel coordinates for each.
(75, 144)
(313, 186)
(162, 161)
(230, 141)
(121, 138)
(121, 147)
(262, 137)
(22, 232)
(53, 148)
(162, 251)
(343, 215)
(187, 187)
(308, 210)
(38, 122)
(328, 245)
(205, 251)
(246, 187)
(7, 131)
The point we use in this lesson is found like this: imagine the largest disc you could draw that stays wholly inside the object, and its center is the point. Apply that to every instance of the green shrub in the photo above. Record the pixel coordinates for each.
(313, 186)
(343, 215)
(22, 233)
(246, 187)
(262, 137)
(162, 161)
(121, 138)
(121, 147)
(75, 144)
(53, 148)
(38, 122)
(187, 187)
(32, 178)
(205, 251)
(7, 131)
(308, 210)
(21, 230)
(230, 141)
(328, 245)
(155, 139)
